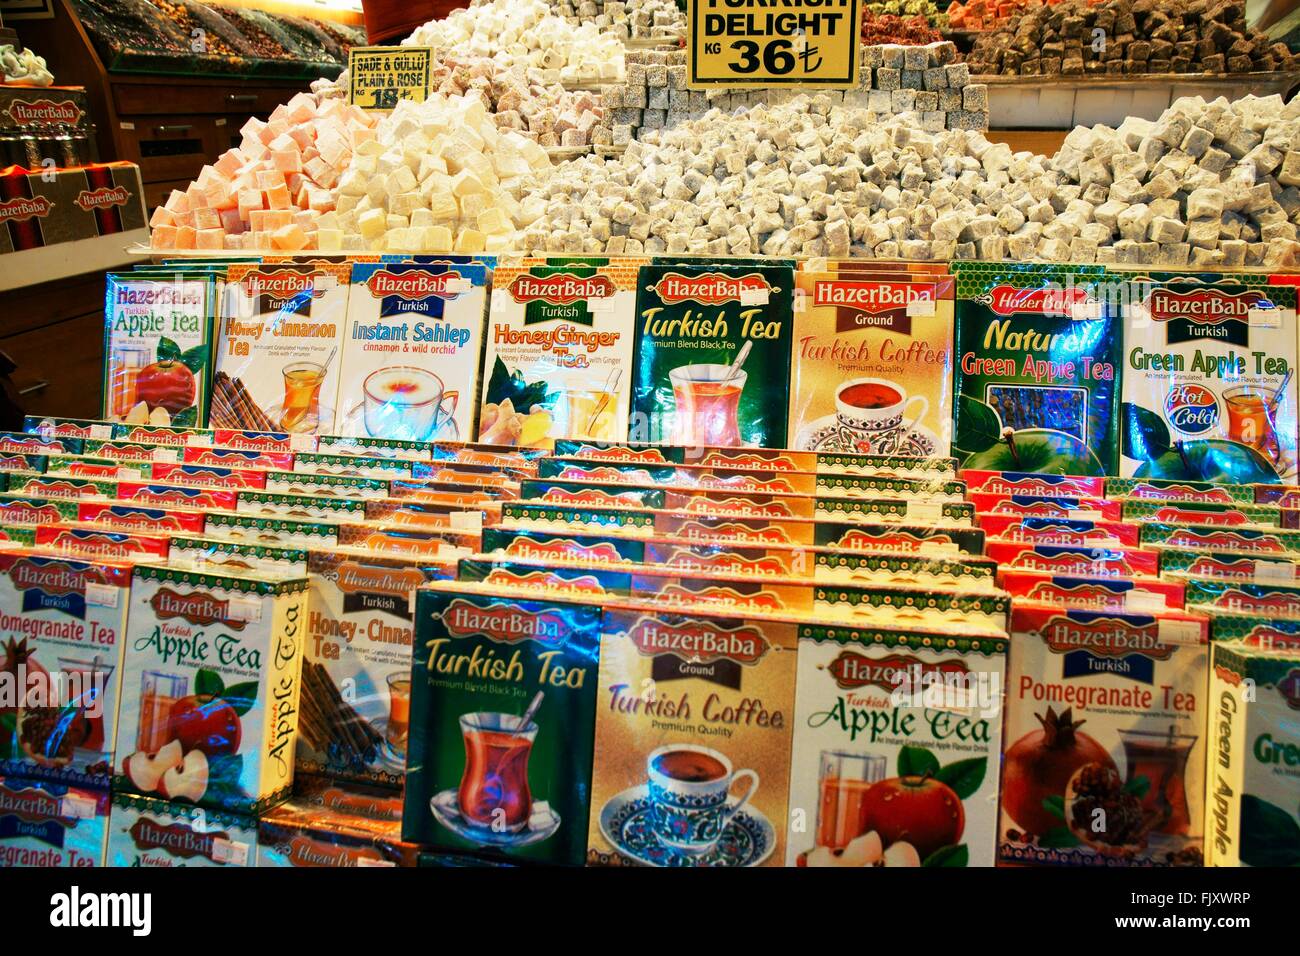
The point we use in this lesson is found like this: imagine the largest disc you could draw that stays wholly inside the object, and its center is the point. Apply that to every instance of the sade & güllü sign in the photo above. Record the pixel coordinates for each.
(764, 42)
(379, 76)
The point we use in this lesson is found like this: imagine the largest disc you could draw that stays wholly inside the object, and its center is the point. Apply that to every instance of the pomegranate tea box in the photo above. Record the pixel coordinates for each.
(503, 705)
(1209, 382)
(144, 832)
(63, 623)
(871, 370)
(49, 824)
(693, 729)
(1252, 815)
(1104, 759)
(210, 688)
(557, 363)
(897, 743)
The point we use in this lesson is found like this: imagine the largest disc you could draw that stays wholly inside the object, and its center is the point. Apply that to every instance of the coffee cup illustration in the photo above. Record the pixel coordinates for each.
(872, 405)
(406, 403)
(689, 791)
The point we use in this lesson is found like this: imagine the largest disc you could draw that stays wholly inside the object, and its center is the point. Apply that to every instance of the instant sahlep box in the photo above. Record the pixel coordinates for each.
(143, 832)
(49, 824)
(210, 688)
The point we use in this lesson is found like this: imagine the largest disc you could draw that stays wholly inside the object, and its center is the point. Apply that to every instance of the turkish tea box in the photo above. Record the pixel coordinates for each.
(1252, 816)
(411, 354)
(1104, 759)
(713, 352)
(210, 688)
(144, 832)
(693, 731)
(49, 824)
(558, 356)
(1209, 382)
(897, 745)
(327, 824)
(1037, 359)
(503, 705)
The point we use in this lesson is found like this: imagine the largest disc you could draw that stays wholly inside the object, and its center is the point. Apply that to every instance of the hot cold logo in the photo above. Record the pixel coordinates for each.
(1192, 409)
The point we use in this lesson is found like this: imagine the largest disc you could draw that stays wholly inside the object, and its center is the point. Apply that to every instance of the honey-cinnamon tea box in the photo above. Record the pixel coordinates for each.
(224, 556)
(1179, 512)
(897, 745)
(1271, 598)
(355, 719)
(210, 688)
(280, 334)
(300, 507)
(144, 832)
(1252, 816)
(280, 533)
(1229, 566)
(1026, 506)
(692, 746)
(411, 354)
(503, 706)
(49, 824)
(64, 621)
(1124, 594)
(1105, 752)
(327, 824)
(1239, 540)
(1161, 489)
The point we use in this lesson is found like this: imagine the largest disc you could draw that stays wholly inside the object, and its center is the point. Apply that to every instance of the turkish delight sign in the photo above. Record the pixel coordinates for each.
(382, 75)
(755, 43)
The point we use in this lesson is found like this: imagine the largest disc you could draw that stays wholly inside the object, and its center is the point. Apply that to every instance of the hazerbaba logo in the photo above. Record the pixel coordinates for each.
(1225, 541)
(698, 641)
(694, 531)
(99, 543)
(567, 551)
(729, 563)
(1026, 486)
(197, 607)
(1193, 410)
(547, 581)
(1206, 567)
(1205, 305)
(739, 507)
(52, 578)
(618, 453)
(1101, 563)
(415, 284)
(1172, 514)
(21, 512)
(744, 483)
(1060, 534)
(32, 805)
(1069, 301)
(177, 840)
(752, 462)
(676, 595)
(711, 288)
(592, 496)
(563, 288)
(1277, 603)
(45, 111)
(360, 578)
(1179, 493)
(304, 851)
(282, 283)
(102, 198)
(1082, 595)
(851, 671)
(637, 476)
(1289, 688)
(20, 209)
(1264, 635)
(1104, 637)
(900, 541)
(504, 623)
(868, 296)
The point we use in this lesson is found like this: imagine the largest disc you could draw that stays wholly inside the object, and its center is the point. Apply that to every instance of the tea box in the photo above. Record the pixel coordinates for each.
(353, 465)
(1163, 489)
(1017, 484)
(558, 357)
(329, 824)
(238, 459)
(1124, 594)
(1229, 566)
(19, 510)
(92, 541)
(211, 688)
(758, 459)
(1038, 530)
(224, 556)
(22, 443)
(1252, 818)
(1104, 759)
(1269, 598)
(1240, 540)
(279, 533)
(143, 832)
(1180, 512)
(503, 702)
(367, 447)
(278, 340)
(1252, 630)
(300, 507)
(897, 739)
(134, 518)
(53, 427)
(177, 497)
(206, 476)
(50, 824)
(1209, 387)
(1082, 509)
(342, 486)
(713, 352)
(1073, 559)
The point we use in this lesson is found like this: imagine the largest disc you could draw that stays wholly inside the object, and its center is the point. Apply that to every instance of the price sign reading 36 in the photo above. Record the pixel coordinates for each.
(753, 43)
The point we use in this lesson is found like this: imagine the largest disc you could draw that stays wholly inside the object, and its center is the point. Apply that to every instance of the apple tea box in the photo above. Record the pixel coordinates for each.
(558, 357)
(1209, 382)
(210, 688)
(1037, 359)
(278, 341)
(693, 728)
(144, 832)
(1104, 759)
(327, 824)
(49, 824)
(1252, 815)
(158, 348)
(411, 353)
(503, 702)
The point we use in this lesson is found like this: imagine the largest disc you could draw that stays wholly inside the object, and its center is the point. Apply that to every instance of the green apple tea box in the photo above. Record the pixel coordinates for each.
(1197, 513)
(47, 824)
(1279, 599)
(1253, 630)
(144, 832)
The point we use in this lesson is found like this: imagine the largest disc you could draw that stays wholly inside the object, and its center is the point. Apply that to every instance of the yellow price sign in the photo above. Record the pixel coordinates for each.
(379, 76)
(752, 43)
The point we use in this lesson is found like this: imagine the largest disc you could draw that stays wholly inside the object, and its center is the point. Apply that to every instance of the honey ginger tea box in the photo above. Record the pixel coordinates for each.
(712, 361)
(1037, 369)
(872, 365)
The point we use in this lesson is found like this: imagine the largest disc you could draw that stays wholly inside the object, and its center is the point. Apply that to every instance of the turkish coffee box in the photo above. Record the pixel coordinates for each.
(1209, 383)
(158, 347)
(411, 355)
(713, 352)
(143, 832)
(210, 688)
(328, 824)
(897, 745)
(503, 706)
(277, 364)
(1104, 759)
(1252, 816)
(871, 370)
(693, 733)
(356, 680)
(49, 824)
(558, 358)
(1037, 369)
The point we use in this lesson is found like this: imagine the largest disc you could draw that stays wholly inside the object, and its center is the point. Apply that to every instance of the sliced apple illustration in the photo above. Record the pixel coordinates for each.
(146, 770)
(189, 781)
(901, 853)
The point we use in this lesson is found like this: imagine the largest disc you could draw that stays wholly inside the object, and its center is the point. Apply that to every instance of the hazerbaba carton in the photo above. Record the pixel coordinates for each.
(143, 832)
(279, 336)
(503, 705)
(65, 621)
(1104, 759)
(353, 465)
(1252, 630)
(1160, 489)
(1021, 484)
(281, 533)
(332, 825)
(342, 486)
(1229, 566)
(223, 556)
(897, 745)
(1252, 818)
(454, 472)
(1081, 509)
(411, 352)
(239, 460)
(93, 541)
(1179, 512)
(1077, 560)
(53, 427)
(132, 453)
(28, 463)
(1271, 598)
(389, 541)
(471, 492)
(302, 507)
(1058, 530)
(176, 497)
(1131, 594)
(22, 443)
(412, 515)
(118, 517)
(60, 486)
(174, 436)
(29, 510)
(1240, 540)
(238, 439)
(211, 688)
(206, 476)
(50, 824)
(357, 669)
(18, 535)
(367, 447)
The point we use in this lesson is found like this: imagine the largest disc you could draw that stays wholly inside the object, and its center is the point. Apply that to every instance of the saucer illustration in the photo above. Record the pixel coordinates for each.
(353, 423)
(385, 756)
(748, 839)
(826, 434)
(542, 824)
(309, 424)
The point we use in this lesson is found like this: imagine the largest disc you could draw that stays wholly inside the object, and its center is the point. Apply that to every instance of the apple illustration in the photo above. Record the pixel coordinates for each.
(1038, 450)
(917, 810)
(189, 781)
(146, 770)
(206, 723)
(166, 384)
